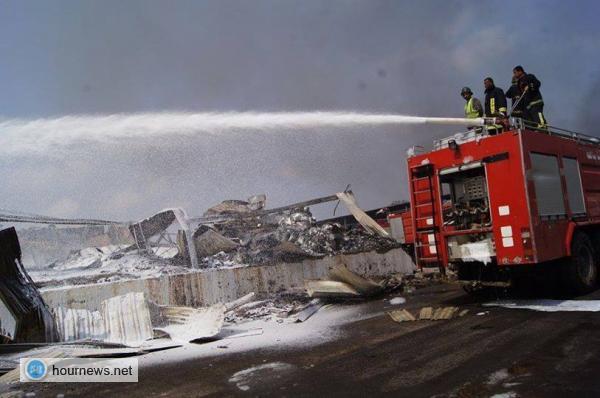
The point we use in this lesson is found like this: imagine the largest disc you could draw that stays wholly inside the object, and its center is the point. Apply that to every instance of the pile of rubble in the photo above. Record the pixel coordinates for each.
(289, 235)
(233, 233)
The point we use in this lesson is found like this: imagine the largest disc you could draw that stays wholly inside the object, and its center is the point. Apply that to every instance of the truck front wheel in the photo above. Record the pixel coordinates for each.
(581, 270)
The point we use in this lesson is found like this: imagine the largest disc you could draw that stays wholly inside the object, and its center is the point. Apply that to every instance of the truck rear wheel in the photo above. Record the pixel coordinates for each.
(582, 270)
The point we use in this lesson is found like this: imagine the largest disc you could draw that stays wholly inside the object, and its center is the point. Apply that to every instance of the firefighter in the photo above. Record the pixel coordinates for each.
(532, 97)
(514, 93)
(473, 108)
(495, 104)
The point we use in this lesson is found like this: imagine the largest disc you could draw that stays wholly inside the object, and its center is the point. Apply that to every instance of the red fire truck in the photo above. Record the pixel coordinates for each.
(488, 206)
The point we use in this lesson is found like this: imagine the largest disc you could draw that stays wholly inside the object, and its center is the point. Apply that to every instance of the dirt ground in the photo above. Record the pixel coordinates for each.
(514, 353)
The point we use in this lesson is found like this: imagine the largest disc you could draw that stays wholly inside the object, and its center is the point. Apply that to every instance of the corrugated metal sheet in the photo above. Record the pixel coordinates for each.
(122, 319)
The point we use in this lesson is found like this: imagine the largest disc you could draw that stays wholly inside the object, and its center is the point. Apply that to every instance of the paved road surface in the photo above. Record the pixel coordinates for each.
(518, 353)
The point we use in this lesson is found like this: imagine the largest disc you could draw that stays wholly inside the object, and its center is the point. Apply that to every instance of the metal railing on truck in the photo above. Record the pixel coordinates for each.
(477, 133)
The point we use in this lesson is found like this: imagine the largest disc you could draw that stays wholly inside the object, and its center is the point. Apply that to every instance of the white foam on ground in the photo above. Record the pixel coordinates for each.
(549, 305)
(397, 300)
(322, 327)
(510, 394)
(498, 376)
(244, 378)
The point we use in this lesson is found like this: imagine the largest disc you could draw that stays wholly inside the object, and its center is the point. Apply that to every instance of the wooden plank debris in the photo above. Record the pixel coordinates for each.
(426, 313)
(402, 316)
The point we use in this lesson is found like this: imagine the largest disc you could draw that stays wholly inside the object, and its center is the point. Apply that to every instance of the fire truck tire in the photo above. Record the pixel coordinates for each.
(582, 270)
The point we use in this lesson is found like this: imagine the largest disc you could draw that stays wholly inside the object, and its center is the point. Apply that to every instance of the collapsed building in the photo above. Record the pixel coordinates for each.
(235, 248)
(232, 233)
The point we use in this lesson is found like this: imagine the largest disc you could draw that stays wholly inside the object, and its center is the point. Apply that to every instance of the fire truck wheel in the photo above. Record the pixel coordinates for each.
(582, 272)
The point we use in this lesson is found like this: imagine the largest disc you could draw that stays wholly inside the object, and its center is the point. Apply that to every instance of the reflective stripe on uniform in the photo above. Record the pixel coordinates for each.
(533, 103)
(542, 120)
(492, 105)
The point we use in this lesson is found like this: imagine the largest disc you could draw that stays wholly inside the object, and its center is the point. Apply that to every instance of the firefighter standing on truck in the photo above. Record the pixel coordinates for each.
(532, 97)
(514, 93)
(495, 104)
(473, 108)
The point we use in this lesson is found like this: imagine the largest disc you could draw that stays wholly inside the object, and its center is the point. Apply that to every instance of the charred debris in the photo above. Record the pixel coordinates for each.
(238, 232)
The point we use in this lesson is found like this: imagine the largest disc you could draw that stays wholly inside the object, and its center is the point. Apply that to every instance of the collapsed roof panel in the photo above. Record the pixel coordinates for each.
(24, 316)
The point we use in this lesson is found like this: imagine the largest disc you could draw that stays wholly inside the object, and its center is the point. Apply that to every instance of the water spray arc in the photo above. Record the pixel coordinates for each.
(39, 135)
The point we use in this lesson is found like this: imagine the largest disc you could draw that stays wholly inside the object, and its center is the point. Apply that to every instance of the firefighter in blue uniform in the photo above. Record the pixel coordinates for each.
(532, 97)
(495, 104)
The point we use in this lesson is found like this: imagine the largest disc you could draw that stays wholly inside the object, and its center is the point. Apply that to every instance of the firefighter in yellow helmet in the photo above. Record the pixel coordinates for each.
(473, 108)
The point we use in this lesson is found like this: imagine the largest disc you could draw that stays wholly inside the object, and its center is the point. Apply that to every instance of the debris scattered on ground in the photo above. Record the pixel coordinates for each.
(550, 305)
(24, 317)
(342, 283)
(185, 324)
(278, 307)
(365, 287)
(331, 289)
(239, 302)
(397, 301)
(401, 316)
(393, 282)
(426, 313)
(314, 306)
(482, 313)
(444, 313)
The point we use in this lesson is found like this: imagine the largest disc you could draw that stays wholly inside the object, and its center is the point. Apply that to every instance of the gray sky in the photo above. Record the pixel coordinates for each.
(102, 57)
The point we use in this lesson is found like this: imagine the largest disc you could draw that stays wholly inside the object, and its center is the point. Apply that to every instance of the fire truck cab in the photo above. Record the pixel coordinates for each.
(487, 205)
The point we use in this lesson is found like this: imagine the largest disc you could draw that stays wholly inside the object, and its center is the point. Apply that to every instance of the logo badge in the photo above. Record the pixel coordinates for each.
(35, 369)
